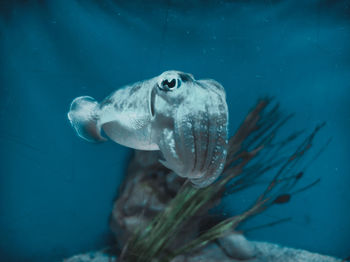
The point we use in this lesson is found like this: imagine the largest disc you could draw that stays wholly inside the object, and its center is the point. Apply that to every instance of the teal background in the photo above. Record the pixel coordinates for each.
(56, 190)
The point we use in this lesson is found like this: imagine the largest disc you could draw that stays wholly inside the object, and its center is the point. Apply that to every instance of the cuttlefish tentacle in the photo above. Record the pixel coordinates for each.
(175, 144)
(215, 163)
(220, 119)
(186, 140)
(167, 147)
(217, 140)
(197, 135)
(184, 118)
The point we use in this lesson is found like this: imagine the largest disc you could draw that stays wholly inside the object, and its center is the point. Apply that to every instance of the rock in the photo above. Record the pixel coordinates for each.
(210, 253)
(274, 253)
(237, 246)
(263, 252)
(147, 189)
(97, 256)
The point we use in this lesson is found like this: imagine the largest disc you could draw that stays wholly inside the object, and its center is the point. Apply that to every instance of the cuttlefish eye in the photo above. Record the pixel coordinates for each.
(169, 83)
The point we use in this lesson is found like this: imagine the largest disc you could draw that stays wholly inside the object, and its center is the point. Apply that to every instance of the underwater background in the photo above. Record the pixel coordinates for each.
(57, 190)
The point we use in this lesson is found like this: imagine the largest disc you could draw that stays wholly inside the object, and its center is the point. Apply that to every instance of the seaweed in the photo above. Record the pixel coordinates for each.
(253, 152)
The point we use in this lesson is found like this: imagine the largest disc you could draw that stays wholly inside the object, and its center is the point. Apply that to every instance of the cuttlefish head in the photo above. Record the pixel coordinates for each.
(184, 118)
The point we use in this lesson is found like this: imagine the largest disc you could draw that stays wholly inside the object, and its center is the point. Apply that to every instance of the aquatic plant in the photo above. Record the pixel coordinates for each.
(253, 152)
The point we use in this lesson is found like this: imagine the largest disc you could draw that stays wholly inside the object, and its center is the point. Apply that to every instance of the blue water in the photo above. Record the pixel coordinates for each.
(57, 190)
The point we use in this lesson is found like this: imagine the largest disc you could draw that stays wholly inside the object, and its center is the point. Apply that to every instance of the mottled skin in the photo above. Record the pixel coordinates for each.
(184, 118)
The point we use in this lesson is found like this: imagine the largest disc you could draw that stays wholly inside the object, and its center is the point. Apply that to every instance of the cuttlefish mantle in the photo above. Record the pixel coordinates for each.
(184, 118)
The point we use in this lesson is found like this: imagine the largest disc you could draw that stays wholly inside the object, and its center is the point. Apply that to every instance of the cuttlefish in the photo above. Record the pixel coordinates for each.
(184, 118)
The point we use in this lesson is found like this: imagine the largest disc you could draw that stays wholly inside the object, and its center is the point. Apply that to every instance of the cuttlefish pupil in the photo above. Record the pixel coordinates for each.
(188, 125)
(168, 84)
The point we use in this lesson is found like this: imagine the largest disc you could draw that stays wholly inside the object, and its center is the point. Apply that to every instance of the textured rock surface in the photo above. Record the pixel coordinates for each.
(92, 257)
(265, 252)
(272, 252)
(237, 246)
(147, 189)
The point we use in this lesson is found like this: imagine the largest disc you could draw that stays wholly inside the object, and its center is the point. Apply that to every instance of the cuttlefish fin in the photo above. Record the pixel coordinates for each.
(84, 117)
